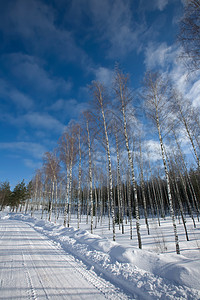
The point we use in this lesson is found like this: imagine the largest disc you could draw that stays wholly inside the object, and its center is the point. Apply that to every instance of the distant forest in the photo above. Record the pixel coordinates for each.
(132, 154)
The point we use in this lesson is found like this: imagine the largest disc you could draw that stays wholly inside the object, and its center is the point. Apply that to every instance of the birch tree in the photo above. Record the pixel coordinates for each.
(90, 171)
(122, 94)
(156, 93)
(68, 151)
(140, 162)
(52, 168)
(189, 34)
(185, 180)
(99, 97)
(154, 190)
(79, 177)
(182, 107)
(119, 183)
(36, 184)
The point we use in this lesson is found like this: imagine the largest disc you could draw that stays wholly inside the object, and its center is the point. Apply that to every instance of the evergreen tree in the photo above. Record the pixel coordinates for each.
(19, 195)
(5, 194)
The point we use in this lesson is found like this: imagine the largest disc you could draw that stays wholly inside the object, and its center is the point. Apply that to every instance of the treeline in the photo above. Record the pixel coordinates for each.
(130, 155)
(125, 158)
(17, 198)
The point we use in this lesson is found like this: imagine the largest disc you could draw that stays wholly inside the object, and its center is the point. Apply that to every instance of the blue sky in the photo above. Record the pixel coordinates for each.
(51, 50)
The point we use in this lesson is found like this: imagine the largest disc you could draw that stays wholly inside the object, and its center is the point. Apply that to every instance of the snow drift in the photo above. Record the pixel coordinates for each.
(150, 275)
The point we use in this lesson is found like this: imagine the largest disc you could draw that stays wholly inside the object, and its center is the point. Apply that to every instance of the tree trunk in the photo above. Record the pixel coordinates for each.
(132, 177)
(79, 183)
(51, 201)
(119, 188)
(109, 169)
(129, 206)
(67, 196)
(168, 185)
(90, 179)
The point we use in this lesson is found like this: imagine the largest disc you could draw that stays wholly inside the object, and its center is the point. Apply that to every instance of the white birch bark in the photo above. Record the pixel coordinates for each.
(119, 188)
(145, 204)
(150, 199)
(161, 197)
(125, 201)
(181, 207)
(35, 195)
(79, 182)
(129, 207)
(110, 176)
(70, 192)
(132, 170)
(51, 201)
(157, 95)
(154, 194)
(88, 201)
(190, 185)
(67, 197)
(99, 98)
(143, 191)
(186, 194)
(108, 194)
(95, 195)
(184, 121)
(56, 200)
(90, 179)
(168, 183)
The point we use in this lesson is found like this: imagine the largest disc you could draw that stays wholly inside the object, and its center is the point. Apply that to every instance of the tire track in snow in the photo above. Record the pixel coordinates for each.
(37, 269)
(3, 230)
(30, 259)
(32, 293)
(105, 287)
(140, 284)
(116, 283)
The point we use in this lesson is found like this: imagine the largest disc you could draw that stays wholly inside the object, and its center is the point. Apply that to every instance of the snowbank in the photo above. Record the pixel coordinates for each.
(150, 275)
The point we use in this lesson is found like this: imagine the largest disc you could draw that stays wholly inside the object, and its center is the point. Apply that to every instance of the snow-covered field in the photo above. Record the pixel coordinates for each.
(66, 263)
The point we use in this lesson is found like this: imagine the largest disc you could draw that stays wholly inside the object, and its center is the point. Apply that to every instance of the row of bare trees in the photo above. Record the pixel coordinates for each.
(103, 164)
(132, 155)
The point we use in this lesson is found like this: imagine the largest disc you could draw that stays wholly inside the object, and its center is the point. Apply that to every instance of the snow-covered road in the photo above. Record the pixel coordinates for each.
(44, 260)
(33, 267)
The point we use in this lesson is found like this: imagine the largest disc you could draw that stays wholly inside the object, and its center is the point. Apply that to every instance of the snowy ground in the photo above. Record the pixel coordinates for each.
(42, 260)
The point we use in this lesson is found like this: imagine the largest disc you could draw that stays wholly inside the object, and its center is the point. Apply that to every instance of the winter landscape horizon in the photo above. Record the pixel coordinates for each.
(100, 149)
(117, 270)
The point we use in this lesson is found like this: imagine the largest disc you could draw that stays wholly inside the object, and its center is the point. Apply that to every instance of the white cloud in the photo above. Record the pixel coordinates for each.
(20, 99)
(167, 59)
(58, 105)
(34, 23)
(9, 93)
(187, 84)
(153, 150)
(179, 77)
(34, 149)
(32, 164)
(43, 121)
(31, 72)
(35, 120)
(22, 12)
(194, 93)
(161, 4)
(112, 22)
(153, 4)
(158, 55)
(104, 75)
(69, 107)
